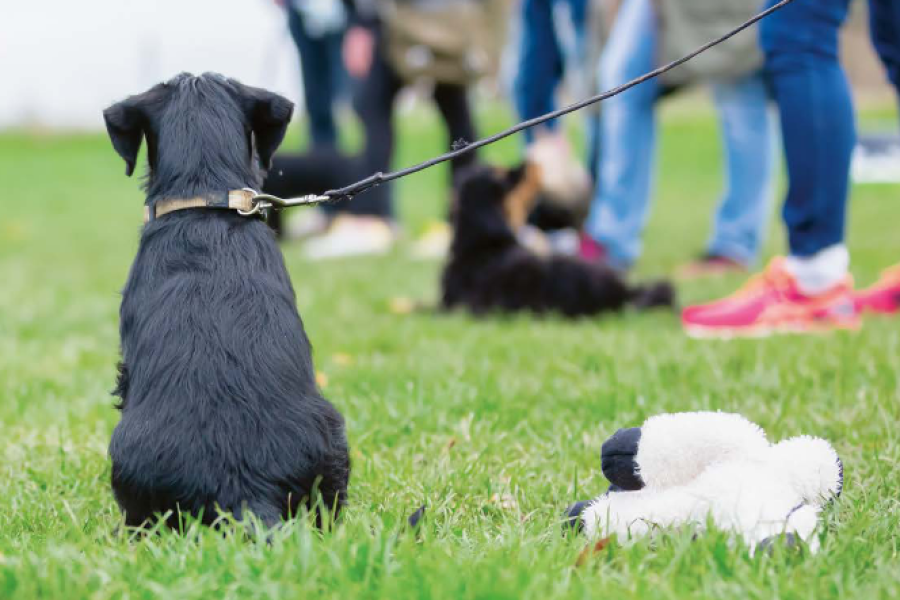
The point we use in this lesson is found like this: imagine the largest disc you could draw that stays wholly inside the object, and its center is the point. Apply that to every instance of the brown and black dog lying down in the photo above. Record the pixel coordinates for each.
(490, 271)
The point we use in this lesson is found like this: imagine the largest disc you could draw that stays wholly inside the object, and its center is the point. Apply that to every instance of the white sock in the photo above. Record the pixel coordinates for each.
(817, 273)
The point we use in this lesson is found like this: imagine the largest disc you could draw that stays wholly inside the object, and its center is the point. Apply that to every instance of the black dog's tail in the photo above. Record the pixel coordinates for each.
(652, 295)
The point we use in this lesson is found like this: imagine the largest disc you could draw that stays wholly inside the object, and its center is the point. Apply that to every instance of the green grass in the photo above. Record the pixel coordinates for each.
(496, 424)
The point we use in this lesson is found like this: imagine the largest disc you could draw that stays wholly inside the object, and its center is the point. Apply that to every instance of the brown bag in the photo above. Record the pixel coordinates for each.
(458, 41)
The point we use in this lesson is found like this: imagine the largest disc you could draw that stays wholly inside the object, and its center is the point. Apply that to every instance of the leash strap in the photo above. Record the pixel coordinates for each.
(247, 202)
(243, 201)
(462, 147)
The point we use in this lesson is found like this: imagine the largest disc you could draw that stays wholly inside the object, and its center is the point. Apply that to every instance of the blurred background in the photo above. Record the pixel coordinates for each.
(63, 61)
(98, 51)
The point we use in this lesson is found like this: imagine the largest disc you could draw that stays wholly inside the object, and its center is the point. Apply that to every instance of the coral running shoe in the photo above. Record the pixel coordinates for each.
(884, 296)
(771, 302)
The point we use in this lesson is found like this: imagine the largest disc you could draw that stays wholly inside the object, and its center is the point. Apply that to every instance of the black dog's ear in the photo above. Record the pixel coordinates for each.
(515, 174)
(269, 115)
(128, 121)
(125, 125)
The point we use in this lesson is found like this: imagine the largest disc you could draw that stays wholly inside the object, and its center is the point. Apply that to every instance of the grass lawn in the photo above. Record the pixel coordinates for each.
(496, 424)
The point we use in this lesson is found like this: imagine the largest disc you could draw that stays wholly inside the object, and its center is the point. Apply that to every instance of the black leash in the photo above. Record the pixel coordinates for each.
(461, 148)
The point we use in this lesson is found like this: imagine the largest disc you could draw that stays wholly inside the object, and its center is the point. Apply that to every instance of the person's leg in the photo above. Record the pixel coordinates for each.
(540, 62)
(453, 103)
(810, 290)
(884, 18)
(374, 103)
(338, 79)
(316, 70)
(628, 134)
(581, 63)
(817, 120)
(747, 133)
(575, 52)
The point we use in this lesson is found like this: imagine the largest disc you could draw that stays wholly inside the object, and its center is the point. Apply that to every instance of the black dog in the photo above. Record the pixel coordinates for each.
(220, 408)
(489, 270)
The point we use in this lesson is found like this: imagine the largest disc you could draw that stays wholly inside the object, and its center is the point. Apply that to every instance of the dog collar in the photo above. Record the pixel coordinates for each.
(243, 201)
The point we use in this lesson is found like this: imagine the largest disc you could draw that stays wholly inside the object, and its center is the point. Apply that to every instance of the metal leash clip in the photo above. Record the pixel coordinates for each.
(263, 202)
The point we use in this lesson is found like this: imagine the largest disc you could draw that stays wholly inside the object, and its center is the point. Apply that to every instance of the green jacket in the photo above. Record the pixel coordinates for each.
(686, 25)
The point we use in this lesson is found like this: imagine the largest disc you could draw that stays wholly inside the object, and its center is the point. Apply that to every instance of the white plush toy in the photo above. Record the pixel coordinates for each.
(687, 468)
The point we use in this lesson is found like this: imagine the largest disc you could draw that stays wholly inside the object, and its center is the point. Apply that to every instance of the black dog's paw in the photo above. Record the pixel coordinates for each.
(617, 459)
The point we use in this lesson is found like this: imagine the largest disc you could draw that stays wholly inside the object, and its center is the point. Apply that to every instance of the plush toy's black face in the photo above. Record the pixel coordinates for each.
(199, 129)
(618, 459)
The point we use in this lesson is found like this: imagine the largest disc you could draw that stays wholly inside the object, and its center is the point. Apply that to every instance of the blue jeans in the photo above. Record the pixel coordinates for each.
(884, 19)
(324, 78)
(817, 117)
(628, 139)
(543, 61)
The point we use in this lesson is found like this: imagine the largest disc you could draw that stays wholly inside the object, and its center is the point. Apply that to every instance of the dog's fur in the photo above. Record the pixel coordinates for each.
(489, 270)
(219, 405)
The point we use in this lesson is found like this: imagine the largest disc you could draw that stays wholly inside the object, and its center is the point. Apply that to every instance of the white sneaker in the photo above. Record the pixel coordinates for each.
(304, 223)
(351, 235)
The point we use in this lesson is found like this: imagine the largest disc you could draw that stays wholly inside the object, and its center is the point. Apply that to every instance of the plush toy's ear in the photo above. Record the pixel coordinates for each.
(515, 175)
(618, 459)
(269, 115)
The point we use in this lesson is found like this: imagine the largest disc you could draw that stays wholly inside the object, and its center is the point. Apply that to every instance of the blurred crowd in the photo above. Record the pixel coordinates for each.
(365, 53)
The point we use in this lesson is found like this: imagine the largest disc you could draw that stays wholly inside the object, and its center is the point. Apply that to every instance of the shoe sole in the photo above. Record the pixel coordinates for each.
(700, 332)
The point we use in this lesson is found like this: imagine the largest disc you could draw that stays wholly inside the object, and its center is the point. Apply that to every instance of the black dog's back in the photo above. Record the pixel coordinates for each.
(489, 270)
(220, 408)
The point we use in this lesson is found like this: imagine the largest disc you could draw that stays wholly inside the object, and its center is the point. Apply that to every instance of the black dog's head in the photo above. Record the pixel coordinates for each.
(203, 133)
(492, 199)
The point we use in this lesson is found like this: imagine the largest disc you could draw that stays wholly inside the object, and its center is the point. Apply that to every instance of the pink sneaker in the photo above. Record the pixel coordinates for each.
(772, 303)
(884, 296)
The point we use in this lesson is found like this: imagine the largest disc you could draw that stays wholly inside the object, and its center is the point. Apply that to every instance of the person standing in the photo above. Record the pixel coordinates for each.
(317, 28)
(558, 37)
(639, 36)
(389, 45)
(810, 289)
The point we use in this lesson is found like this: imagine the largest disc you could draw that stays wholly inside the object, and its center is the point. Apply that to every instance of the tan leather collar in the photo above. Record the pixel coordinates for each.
(239, 200)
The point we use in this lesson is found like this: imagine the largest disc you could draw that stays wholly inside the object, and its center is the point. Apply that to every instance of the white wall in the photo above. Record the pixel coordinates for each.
(63, 61)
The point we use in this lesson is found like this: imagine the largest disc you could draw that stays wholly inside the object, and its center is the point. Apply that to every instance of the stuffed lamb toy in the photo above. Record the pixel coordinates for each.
(690, 468)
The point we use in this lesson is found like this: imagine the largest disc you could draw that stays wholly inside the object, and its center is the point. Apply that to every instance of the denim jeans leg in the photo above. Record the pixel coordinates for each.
(628, 136)
(540, 62)
(818, 127)
(884, 20)
(318, 90)
(747, 127)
